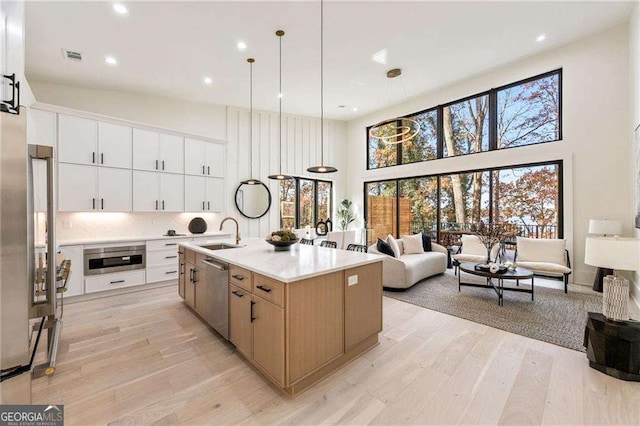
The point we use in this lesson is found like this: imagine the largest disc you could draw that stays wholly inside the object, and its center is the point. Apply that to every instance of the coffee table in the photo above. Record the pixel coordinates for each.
(498, 285)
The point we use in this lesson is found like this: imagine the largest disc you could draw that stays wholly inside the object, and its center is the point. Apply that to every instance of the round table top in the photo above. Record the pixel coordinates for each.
(519, 273)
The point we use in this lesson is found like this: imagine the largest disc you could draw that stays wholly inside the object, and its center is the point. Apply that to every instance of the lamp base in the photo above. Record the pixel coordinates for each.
(615, 301)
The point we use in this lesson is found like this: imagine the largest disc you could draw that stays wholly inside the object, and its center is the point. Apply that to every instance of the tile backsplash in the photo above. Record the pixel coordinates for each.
(85, 225)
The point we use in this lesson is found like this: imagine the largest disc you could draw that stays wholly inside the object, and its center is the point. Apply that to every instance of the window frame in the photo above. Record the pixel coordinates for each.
(558, 163)
(493, 121)
(315, 199)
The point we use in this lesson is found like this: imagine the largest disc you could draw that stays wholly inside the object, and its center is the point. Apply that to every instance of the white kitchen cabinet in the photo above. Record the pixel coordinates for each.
(75, 283)
(113, 281)
(77, 140)
(90, 188)
(114, 190)
(215, 159)
(146, 150)
(41, 127)
(204, 194)
(203, 158)
(78, 188)
(171, 153)
(114, 145)
(155, 151)
(153, 191)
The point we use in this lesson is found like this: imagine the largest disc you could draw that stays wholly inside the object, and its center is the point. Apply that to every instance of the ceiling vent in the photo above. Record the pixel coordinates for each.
(71, 55)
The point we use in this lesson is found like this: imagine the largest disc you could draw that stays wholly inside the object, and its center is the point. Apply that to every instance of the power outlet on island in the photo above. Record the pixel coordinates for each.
(352, 280)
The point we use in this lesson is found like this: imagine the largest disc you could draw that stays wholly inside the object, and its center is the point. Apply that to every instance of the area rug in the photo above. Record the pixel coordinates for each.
(552, 317)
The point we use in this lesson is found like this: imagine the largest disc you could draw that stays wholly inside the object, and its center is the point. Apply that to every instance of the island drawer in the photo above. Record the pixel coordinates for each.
(268, 289)
(240, 277)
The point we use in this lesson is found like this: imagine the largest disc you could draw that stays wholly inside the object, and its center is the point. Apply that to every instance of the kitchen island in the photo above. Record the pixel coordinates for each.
(296, 315)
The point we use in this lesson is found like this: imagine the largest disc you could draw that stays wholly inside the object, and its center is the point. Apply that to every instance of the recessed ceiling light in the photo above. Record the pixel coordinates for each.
(541, 37)
(120, 8)
(110, 60)
(380, 56)
(207, 80)
(241, 45)
(355, 109)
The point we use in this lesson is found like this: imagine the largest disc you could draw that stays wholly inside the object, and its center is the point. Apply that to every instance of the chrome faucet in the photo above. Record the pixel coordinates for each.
(237, 228)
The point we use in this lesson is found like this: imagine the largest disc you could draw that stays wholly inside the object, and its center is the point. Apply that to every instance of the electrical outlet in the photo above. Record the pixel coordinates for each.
(67, 224)
(353, 280)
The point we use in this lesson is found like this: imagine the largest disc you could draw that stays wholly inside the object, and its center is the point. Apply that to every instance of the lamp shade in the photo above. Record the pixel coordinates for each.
(605, 227)
(622, 254)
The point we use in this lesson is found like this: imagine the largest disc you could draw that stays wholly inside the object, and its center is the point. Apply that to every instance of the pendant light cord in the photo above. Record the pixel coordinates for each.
(322, 82)
(251, 117)
(280, 109)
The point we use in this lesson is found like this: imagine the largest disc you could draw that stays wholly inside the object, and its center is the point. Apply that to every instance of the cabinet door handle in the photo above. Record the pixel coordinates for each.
(203, 206)
(101, 158)
(94, 203)
(203, 170)
(116, 282)
(238, 277)
(237, 294)
(93, 157)
(265, 289)
(156, 164)
(156, 204)
(170, 244)
(195, 276)
(102, 203)
(170, 257)
(162, 164)
(170, 272)
(208, 205)
(251, 312)
(190, 274)
(181, 269)
(208, 170)
(163, 203)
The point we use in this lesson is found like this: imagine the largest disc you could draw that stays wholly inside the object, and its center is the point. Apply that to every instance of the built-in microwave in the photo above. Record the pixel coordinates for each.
(113, 259)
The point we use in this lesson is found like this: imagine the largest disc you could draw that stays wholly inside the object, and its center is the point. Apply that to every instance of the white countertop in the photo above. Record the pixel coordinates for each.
(129, 238)
(300, 262)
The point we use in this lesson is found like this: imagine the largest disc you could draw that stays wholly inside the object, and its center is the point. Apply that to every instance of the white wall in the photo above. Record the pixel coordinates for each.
(300, 149)
(595, 132)
(634, 79)
(12, 45)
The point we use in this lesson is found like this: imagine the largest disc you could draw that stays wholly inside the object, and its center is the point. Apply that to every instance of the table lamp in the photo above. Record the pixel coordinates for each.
(617, 253)
(603, 228)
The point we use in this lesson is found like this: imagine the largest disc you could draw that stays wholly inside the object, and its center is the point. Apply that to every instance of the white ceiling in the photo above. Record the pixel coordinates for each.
(166, 48)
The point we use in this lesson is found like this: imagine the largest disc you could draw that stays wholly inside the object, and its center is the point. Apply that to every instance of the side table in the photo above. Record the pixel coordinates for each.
(613, 347)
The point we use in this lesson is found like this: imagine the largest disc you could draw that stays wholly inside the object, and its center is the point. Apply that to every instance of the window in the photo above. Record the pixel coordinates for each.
(381, 209)
(522, 113)
(528, 198)
(466, 126)
(304, 202)
(529, 112)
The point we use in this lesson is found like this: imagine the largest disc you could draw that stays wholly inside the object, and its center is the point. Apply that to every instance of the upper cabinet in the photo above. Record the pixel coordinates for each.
(203, 158)
(41, 127)
(153, 151)
(85, 141)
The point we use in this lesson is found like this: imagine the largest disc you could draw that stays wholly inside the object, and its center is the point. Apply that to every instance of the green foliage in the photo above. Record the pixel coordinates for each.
(345, 214)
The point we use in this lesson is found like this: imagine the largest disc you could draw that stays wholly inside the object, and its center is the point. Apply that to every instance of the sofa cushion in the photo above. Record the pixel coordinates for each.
(384, 248)
(412, 244)
(423, 265)
(426, 243)
(541, 250)
(545, 268)
(474, 258)
(471, 245)
(395, 246)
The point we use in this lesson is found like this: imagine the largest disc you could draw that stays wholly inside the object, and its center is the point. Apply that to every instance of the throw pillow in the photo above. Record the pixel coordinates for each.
(397, 251)
(412, 244)
(426, 243)
(384, 248)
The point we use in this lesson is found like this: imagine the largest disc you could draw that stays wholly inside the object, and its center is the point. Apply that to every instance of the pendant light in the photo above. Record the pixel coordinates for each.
(280, 176)
(251, 180)
(322, 168)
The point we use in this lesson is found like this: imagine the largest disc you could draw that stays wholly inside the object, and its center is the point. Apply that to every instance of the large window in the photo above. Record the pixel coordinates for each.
(304, 202)
(527, 198)
(522, 113)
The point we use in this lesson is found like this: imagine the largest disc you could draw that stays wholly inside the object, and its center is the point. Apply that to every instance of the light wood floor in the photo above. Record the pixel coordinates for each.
(144, 358)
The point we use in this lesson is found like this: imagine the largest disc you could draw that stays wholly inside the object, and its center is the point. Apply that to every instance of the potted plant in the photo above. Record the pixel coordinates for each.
(345, 214)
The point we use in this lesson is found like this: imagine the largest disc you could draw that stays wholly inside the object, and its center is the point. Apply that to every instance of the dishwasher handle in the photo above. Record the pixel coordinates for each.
(214, 265)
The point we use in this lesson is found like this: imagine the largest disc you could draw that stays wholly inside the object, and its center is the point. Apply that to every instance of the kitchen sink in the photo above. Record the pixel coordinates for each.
(219, 246)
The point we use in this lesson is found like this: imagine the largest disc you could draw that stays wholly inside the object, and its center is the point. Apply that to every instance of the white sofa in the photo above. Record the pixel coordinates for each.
(408, 269)
(545, 257)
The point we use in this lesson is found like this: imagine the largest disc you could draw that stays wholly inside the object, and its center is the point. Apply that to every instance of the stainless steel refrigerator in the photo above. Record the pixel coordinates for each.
(27, 255)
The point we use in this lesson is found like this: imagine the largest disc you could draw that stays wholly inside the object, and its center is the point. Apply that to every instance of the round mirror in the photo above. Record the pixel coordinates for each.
(253, 201)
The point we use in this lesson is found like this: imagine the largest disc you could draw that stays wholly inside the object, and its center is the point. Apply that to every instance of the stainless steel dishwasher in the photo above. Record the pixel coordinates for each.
(216, 296)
